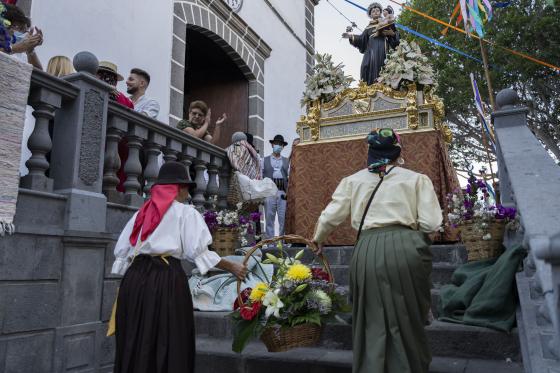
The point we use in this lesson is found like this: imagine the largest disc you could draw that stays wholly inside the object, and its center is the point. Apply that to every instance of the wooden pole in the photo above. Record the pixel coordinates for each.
(484, 54)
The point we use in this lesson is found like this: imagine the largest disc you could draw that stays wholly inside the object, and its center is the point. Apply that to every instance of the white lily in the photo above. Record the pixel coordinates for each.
(272, 303)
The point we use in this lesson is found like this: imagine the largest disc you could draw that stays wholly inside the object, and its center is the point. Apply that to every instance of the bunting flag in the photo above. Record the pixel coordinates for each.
(480, 108)
(475, 14)
(456, 13)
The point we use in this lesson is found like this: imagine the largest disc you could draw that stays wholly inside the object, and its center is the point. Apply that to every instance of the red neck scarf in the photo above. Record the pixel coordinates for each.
(151, 213)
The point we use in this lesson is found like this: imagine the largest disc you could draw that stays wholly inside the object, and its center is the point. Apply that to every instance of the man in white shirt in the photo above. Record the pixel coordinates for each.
(137, 84)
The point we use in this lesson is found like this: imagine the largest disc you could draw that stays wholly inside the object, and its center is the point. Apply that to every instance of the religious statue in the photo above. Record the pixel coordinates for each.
(375, 41)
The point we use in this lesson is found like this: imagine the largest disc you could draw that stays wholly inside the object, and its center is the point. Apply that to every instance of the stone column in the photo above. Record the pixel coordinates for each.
(116, 128)
(133, 168)
(78, 157)
(45, 103)
(187, 157)
(153, 146)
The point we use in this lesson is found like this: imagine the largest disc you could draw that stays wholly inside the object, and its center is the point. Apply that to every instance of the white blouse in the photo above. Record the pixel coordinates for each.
(182, 233)
(405, 198)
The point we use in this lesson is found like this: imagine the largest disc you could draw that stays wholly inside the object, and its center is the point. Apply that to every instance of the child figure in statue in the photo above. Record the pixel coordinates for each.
(373, 44)
(388, 21)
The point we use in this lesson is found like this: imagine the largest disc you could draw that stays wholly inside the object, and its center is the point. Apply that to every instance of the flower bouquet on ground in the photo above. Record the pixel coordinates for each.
(230, 227)
(480, 220)
(289, 309)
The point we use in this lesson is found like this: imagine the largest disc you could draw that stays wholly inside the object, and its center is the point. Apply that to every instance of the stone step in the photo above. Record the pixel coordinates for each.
(214, 355)
(441, 274)
(341, 255)
(446, 339)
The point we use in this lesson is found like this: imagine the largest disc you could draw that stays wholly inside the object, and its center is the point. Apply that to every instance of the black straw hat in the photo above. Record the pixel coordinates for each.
(280, 139)
(174, 173)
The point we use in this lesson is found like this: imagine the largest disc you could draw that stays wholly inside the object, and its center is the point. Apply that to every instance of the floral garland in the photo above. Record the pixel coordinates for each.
(325, 81)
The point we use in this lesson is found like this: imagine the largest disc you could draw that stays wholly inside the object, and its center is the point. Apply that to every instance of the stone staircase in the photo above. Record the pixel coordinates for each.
(455, 347)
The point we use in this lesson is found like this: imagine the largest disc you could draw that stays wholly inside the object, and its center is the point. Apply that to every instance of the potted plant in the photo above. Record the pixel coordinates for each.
(230, 227)
(289, 309)
(480, 220)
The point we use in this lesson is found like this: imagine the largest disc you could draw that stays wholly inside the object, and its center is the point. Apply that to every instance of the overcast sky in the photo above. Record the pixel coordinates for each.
(329, 26)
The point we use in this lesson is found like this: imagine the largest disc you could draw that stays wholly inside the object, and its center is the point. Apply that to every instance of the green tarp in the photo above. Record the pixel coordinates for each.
(483, 293)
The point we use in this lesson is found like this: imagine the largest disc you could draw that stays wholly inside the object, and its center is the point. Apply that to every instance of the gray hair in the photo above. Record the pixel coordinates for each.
(238, 136)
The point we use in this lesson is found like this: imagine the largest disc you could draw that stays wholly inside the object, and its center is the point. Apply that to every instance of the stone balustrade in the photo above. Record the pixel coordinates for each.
(530, 181)
(80, 136)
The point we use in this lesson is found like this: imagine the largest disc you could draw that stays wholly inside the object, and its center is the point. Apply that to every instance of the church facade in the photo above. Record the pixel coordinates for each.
(248, 58)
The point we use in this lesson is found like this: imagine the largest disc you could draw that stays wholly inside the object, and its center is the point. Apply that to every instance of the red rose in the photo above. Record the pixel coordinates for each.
(244, 296)
(249, 312)
(319, 274)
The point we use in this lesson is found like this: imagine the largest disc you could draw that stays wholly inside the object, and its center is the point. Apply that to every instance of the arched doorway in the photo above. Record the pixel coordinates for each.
(213, 77)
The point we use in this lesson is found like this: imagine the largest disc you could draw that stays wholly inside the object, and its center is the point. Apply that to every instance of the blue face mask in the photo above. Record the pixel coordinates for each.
(19, 36)
(277, 149)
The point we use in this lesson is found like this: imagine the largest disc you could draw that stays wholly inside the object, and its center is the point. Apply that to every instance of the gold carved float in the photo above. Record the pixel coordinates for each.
(354, 112)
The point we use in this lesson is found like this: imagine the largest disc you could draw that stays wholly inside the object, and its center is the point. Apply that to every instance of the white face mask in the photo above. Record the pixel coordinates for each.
(277, 149)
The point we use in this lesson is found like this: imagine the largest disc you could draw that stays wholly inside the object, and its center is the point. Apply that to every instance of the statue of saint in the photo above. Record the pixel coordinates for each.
(375, 41)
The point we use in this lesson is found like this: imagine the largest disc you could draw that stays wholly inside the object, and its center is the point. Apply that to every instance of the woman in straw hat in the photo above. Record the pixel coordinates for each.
(391, 265)
(154, 312)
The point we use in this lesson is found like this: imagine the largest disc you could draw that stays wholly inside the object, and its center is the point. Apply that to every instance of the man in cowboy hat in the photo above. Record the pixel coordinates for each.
(153, 314)
(107, 71)
(277, 168)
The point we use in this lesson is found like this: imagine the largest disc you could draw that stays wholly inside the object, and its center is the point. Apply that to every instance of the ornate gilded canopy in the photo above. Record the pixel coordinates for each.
(356, 111)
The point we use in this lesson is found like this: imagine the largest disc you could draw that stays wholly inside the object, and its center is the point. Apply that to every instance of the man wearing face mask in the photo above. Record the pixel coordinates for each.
(24, 38)
(277, 168)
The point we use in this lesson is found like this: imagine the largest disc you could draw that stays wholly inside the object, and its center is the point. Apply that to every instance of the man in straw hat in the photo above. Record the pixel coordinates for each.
(154, 312)
(107, 71)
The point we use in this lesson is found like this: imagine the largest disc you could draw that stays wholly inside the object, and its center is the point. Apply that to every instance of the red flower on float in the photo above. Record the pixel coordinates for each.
(320, 274)
(244, 296)
(249, 312)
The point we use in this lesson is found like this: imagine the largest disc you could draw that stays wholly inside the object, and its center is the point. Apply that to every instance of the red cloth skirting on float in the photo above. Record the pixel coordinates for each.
(316, 169)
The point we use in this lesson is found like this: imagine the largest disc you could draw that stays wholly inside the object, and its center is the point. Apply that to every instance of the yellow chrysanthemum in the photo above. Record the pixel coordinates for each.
(258, 292)
(298, 272)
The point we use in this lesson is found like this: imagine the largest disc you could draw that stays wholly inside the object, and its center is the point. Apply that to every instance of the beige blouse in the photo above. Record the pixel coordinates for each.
(405, 198)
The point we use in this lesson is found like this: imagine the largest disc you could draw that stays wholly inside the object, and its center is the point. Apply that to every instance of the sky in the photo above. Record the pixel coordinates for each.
(329, 26)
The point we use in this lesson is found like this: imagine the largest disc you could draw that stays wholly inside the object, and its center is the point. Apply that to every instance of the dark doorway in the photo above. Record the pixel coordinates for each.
(212, 76)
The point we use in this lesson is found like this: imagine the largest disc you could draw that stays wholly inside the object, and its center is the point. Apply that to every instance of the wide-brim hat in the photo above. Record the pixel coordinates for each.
(110, 67)
(278, 138)
(174, 173)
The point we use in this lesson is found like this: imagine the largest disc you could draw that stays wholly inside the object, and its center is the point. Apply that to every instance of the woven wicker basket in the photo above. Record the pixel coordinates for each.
(224, 241)
(284, 339)
(479, 249)
(278, 339)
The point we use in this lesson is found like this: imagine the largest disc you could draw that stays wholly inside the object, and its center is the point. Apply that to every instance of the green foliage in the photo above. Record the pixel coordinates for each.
(528, 26)
(243, 331)
(312, 317)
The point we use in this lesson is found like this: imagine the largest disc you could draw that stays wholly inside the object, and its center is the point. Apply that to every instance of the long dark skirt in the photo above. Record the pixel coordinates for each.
(390, 284)
(154, 319)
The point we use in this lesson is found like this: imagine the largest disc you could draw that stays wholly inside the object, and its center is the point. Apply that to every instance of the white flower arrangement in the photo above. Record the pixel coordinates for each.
(406, 64)
(326, 80)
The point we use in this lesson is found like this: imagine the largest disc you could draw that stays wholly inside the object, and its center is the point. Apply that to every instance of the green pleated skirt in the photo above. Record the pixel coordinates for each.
(390, 286)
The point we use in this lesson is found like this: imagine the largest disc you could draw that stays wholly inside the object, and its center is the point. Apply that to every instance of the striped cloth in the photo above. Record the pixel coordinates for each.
(15, 77)
(244, 158)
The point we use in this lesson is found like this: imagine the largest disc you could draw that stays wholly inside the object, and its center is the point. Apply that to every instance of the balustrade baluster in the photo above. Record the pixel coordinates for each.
(116, 128)
(44, 104)
(223, 190)
(133, 168)
(201, 184)
(212, 187)
(172, 150)
(153, 147)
